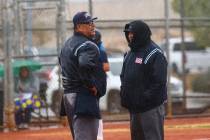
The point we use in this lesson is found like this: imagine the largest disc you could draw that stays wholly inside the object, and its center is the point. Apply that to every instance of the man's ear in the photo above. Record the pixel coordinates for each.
(79, 27)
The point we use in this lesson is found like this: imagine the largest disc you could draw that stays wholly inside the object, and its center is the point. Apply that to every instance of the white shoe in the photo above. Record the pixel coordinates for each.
(25, 125)
(20, 126)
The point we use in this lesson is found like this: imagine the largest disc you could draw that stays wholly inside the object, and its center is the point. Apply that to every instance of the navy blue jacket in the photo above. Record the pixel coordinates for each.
(143, 78)
(80, 68)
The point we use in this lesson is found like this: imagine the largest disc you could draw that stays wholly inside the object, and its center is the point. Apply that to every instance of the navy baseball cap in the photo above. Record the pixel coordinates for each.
(82, 17)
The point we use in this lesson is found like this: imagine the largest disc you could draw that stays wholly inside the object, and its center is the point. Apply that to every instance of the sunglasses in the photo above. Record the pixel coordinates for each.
(88, 23)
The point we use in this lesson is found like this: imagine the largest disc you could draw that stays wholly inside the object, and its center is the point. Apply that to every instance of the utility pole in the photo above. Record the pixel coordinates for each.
(167, 35)
(8, 39)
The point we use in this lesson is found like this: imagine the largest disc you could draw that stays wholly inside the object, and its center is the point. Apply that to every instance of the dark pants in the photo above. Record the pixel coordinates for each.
(148, 125)
(82, 128)
(22, 116)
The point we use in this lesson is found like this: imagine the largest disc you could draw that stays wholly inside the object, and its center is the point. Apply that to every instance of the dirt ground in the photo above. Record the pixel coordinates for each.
(175, 129)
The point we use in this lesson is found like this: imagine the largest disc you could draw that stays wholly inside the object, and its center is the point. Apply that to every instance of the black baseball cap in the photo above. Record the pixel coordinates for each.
(128, 28)
(82, 17)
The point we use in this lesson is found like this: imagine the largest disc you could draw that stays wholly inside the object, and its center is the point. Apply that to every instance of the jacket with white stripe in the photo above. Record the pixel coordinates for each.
(143, 79)
(79, 61)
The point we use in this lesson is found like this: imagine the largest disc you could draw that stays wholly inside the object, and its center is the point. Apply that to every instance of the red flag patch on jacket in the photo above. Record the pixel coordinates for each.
(138, 60)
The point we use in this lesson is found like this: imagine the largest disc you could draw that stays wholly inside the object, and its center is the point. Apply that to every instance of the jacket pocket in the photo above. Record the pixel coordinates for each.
(87, 104)
(130, 99)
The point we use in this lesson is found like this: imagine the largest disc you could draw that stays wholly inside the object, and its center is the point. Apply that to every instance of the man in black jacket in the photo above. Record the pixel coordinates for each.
(143, 79)
(84, 82)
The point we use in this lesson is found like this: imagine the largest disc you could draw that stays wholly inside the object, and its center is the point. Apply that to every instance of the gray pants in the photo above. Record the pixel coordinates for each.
(82, 128)
(148, 125)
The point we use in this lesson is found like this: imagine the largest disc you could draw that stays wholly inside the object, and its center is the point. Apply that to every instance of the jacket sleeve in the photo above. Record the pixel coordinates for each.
(158, 77)
(123, 69)
(88, 61)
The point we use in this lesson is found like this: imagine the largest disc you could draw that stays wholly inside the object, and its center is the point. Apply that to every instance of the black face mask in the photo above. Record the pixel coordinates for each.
(142, 34)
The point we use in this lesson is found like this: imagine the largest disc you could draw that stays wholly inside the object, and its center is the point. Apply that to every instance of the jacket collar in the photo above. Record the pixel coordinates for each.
(80, 34)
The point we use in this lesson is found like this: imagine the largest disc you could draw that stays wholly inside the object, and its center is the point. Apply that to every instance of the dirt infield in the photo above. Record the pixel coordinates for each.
(175, 129)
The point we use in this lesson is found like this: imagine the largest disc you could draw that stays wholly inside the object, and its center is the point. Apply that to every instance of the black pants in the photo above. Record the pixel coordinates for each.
(148, 125)
(22, 116)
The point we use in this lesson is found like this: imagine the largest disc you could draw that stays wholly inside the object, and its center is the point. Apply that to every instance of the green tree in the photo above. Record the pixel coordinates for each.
(196, 8)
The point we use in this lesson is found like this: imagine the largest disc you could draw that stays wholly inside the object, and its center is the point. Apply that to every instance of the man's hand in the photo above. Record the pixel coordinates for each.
(93, 90)
(106, 67)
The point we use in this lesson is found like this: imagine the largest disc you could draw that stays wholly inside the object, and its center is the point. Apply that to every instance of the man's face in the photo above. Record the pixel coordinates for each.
(130, 36)
(88, 29)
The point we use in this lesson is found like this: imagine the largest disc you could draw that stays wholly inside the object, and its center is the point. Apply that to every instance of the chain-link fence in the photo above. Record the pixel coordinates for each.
(39, 32)
(188, 45)
(35, 30)
(196, 78)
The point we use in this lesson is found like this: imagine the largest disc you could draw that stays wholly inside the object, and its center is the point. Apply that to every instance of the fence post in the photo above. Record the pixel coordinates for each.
(167, 25)
(1, 108)
(8, 38)
(182, 14)
(90, 6)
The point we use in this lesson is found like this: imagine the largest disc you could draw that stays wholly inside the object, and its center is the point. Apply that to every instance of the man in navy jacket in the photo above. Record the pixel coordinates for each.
(84, 81)
(143, 79)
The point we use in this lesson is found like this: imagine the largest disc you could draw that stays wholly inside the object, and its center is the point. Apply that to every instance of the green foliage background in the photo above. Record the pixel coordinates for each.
(199, 9)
